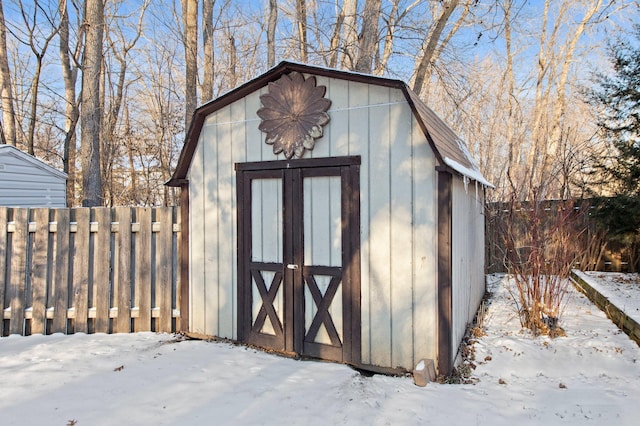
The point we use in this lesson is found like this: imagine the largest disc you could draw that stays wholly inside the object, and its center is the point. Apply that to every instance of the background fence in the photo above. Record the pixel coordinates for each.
(106, 270)
(594, 251)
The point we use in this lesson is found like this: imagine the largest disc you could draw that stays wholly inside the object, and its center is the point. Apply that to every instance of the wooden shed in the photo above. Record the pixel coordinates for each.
(331, 214)
(26, 181)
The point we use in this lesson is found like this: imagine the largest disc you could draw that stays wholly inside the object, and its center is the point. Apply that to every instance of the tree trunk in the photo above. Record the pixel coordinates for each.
(70, 75)
(349, 35)
(8, 112)
(301, 18)
(190, 23)
(91, 112)
(559, 105)
(430, 45)
(271, 33)
(207, 44)
(368, 36)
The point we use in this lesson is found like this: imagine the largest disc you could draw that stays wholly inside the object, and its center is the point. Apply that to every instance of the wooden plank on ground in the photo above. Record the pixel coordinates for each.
(101, 272)
(80, 281)
(18, 270)
(143, 270)
(3, 263)
(39, 271)
(164, 281)
(123, 322)
(61, 277)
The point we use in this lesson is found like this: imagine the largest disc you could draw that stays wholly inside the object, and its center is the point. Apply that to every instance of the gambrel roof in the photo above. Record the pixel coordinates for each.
(449, 150)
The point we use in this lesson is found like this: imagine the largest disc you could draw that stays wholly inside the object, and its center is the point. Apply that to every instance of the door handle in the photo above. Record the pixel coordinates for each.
(292, 266)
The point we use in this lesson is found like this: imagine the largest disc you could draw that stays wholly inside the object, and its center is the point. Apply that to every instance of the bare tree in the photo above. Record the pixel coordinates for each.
(349, 34)
(120, 47)
(8, 130)
(38, 42)
(190, 40)
(208, 63)
(301, 23)
(434, 43)
(69, 61)
(368, 38)
(91, 111)
(392, 21)
(271, 33)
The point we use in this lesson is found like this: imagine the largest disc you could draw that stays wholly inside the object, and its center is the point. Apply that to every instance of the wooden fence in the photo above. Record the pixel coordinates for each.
(89, 270)
(594, 251)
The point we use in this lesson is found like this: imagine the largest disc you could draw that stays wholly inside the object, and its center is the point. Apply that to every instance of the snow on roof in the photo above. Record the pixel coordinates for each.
(473, 174)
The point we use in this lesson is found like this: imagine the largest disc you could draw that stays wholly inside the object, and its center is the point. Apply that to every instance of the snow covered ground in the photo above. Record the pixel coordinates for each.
(592, 376)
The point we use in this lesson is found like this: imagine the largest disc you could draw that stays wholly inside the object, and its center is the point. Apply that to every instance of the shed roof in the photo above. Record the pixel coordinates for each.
(10, 150)
(448, 148)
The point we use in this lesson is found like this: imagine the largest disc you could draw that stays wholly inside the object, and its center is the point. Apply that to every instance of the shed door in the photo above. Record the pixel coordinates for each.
(298, 285)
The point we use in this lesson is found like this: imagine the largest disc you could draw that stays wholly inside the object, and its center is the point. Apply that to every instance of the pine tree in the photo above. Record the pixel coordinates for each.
(617, 97)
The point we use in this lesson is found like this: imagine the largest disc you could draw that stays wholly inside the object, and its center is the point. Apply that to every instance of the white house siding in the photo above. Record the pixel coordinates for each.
(398, 216)
(27, 182)
(467, 254)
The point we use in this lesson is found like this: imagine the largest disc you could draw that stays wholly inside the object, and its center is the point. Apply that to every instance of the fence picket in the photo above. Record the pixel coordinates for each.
(39, 267)
(123, 321)
(61, 277)
(164, 271)
(101, 270)
(143, 270)
(80, 282)
(18, 270)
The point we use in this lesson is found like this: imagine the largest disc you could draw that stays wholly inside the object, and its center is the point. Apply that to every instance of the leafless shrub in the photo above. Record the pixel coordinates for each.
(540, 241)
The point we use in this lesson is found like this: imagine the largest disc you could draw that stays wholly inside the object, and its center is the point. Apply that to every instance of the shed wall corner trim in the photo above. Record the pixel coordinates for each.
(445, 310)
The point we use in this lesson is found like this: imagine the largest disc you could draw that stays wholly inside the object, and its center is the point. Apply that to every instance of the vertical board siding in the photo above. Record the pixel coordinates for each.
(467, 256)
(379, 219)
(424, 244)
(225, 194)
(28, 182)
(61, 273)
(211, 227)
(358, 141)
(401, 258)
(197, 235)
(397, 193)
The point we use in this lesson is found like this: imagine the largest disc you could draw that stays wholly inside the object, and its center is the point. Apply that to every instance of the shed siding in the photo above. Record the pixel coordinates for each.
(25, 184)
(467, 255)
(398, 244)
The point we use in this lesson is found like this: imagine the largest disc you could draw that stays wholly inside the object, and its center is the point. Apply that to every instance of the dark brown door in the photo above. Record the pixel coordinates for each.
(298, 262)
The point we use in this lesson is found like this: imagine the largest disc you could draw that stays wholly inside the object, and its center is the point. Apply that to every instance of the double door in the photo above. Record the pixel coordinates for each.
(298, 257)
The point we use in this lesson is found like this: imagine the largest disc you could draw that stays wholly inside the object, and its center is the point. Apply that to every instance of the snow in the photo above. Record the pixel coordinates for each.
(591, 376)
(473, 174)
(623, 290)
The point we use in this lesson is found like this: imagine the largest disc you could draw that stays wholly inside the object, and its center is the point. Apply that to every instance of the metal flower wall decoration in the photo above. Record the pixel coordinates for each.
(293, 114)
